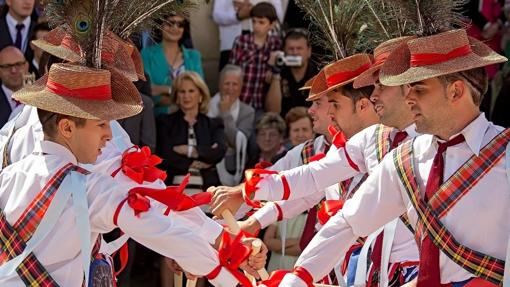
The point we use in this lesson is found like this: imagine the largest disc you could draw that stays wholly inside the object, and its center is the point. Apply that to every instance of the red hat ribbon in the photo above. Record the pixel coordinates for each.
(97, 93)
(426, 59)
(341, 77)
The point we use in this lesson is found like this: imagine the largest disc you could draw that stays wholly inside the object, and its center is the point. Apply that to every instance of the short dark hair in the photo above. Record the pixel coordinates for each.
(296, 34)
(264, 10)
(43, 26)
(271, 120)
(356, 94)
(476, 80)
(295, 114)
(49, 121)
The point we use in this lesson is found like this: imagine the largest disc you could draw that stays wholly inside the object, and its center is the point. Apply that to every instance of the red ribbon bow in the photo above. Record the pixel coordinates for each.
(139, 164)
(329, 208)
(332, 130)
(172, 196)
(253, 177)
(231, 254)
(276, 277)
(339, 140)
(317, 157)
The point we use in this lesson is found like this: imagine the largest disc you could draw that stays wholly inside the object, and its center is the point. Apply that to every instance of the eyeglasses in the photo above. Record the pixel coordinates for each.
(177, 24)
(16, 65)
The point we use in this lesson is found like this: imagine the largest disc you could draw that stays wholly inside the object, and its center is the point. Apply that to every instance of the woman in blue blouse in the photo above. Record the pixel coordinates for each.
(163, 62)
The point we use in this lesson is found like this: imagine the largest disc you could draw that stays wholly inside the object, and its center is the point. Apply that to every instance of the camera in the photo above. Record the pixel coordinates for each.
(288, 60)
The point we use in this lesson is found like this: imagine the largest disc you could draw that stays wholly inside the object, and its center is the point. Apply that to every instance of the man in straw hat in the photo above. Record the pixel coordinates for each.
(444, 181)
(75, 105)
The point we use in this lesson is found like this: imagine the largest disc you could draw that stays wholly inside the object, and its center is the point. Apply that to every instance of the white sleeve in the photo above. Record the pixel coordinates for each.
(205, 226)
(306, 179)
(291, 159)
(377, 202)
(223, 13)
(171, 236)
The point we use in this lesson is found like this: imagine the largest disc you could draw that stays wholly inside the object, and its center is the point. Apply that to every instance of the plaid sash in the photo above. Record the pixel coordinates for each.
(308, 151)
(383, 147)
(477, 263)
(14, 237)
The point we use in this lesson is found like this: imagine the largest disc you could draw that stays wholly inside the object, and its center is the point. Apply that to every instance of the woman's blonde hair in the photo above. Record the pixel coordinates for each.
(199, 83)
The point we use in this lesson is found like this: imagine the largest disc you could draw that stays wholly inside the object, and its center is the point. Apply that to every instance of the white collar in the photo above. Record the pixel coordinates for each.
(8, 92)
(11, 22)
(474, 133)
(411, 131)
(52, 148)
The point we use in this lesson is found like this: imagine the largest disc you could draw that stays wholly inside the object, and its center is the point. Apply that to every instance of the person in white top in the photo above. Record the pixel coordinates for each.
(361, 155)
(75, 133)
(452, 183)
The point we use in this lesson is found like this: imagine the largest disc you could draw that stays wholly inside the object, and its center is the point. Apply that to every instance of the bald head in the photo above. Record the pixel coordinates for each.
(12, 67)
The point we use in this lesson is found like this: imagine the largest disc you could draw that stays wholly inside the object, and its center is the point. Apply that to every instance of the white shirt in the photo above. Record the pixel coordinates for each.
(60, 251)
(214, 109)
(305, 181)
(11, 23)
(479, 220)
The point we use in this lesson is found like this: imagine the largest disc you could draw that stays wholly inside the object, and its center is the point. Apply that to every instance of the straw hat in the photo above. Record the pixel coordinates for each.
(344, 71)
(318, 87)
(83, 92)
(381, 53)
(308, 84)
(116, 53)
(434, 56)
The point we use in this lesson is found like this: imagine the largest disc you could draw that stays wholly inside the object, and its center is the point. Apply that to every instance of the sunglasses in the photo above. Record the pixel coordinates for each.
(177, 24)
(13, 65)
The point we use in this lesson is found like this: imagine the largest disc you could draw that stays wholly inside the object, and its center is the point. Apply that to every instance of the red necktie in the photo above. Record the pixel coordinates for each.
(377, 250)
(429, 274)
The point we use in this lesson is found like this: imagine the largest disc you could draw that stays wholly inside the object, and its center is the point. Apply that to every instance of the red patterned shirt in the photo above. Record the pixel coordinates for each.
(253, 60)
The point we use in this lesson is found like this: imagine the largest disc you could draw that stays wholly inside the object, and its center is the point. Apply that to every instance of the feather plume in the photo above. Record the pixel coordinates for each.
(88, 21)
(335, 24)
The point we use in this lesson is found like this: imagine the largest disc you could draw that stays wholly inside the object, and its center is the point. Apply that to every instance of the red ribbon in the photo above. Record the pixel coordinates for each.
(172, 196)
(341, 77)
(339, 140)
(329, 208)
(231, 254)
(276, 277)
(95, 93)
(140, 165)
(263, 164)
(253, 177)
(332, 130)
(380, 59)
(426, 59)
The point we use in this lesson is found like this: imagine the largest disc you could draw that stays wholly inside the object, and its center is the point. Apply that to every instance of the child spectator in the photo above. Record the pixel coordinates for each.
(252, 51)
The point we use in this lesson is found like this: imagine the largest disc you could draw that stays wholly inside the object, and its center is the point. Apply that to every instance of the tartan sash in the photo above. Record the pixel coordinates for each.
(383, 147)
(13, 238)
(477, 263)
(308, 151)
(383, 137)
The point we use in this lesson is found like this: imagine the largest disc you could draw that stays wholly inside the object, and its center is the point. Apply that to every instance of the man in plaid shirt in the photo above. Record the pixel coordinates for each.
(252, 52)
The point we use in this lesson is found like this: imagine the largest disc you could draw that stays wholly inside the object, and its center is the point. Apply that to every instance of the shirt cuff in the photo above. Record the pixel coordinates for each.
(267, 215)
(224, 279)
(270, 188)
(292, 280)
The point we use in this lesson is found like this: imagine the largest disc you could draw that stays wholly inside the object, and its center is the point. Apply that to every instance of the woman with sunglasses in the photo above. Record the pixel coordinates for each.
(164, 61)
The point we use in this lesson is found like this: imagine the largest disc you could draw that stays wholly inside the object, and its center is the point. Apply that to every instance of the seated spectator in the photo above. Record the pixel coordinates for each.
(299, 125)
(189, 141)
(273, 240)
(270, 133)
(252, 51)
(40, 31)
(284, 93)
(233, 18)
(13, 68)
(163, 62)
(238, 119)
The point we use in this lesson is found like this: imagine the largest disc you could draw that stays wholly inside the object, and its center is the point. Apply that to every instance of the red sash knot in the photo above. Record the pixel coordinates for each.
(139, 164)
(329, 208)
(276, 277)
(231, 254)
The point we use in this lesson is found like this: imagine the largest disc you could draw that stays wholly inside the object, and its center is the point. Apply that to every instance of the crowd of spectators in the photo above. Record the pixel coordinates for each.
(257, 115)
